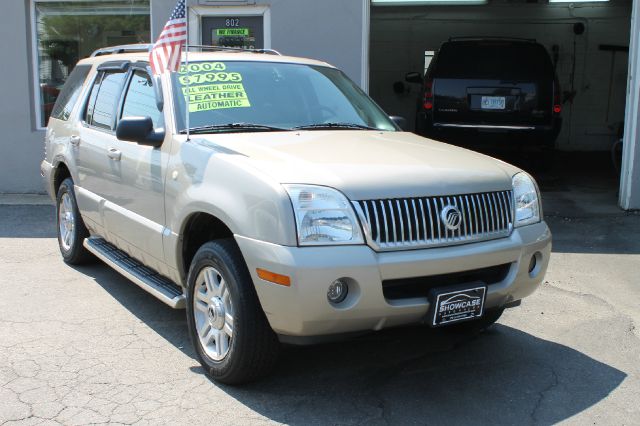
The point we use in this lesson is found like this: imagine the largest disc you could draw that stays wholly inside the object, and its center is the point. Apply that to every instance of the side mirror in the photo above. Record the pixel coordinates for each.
(400, 122)
(139, 130)
(413, 77)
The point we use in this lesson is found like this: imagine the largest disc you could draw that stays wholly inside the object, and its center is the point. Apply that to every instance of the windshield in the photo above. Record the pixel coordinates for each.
(259, 96)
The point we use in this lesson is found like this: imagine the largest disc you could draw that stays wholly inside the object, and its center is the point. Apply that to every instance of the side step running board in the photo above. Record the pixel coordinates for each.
(146, 278)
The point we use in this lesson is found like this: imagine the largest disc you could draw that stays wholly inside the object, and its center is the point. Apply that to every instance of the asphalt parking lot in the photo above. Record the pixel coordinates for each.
(84, 345)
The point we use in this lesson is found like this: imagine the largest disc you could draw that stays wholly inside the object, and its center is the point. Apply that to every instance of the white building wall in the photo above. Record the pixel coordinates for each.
(20, 143)
(331, 30)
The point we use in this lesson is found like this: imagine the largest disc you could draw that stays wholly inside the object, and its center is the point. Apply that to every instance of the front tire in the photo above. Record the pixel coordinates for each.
(230, 333)
(71, 229)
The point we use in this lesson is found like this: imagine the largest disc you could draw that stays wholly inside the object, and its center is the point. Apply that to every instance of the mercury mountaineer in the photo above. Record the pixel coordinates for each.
(298, 211)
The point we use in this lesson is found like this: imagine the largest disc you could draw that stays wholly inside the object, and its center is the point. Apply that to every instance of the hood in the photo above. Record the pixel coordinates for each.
(367, 165)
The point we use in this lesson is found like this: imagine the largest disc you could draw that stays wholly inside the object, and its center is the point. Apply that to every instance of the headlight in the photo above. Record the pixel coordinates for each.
(323, 216)
(527, 202)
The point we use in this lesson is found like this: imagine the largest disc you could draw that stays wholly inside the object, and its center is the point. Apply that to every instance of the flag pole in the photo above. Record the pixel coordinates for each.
(186, 61)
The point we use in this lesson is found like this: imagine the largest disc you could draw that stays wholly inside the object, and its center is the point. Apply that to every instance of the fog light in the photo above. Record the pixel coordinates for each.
(338, 291)
(535, 265)
(532, 264)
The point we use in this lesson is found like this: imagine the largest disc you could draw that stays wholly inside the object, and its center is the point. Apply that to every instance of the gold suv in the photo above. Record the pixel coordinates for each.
(276, 202)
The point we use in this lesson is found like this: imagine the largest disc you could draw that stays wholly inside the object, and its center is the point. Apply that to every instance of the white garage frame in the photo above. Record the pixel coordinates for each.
(630, 176)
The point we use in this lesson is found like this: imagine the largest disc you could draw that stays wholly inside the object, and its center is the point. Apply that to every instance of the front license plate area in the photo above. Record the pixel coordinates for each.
(493, 102)
(453, 305)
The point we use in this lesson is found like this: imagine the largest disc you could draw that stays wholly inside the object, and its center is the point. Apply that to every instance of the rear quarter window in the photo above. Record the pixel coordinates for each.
(70, 92)
(494, 61)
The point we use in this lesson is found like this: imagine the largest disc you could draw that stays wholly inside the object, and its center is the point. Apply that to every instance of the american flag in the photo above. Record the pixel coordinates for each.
(166, 53)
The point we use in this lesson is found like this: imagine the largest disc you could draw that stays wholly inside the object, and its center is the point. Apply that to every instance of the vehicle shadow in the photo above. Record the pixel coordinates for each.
(404, 376)
(418, 376)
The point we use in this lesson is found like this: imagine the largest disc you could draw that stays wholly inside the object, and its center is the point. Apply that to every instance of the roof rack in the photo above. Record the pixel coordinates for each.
(234, 49)
(125, 48)
(529, 40)
(137, 48)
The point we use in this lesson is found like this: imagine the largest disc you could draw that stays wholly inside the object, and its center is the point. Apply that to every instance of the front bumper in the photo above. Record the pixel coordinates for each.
(302, 310)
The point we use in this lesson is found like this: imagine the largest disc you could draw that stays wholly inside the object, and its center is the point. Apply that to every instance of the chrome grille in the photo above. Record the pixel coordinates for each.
(401, 223)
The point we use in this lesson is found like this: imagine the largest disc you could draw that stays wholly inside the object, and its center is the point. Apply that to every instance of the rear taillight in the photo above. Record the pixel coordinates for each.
(427, 103)
(557, 98)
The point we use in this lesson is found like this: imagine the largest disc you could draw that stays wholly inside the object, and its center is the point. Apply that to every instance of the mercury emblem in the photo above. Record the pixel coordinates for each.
(451, 217)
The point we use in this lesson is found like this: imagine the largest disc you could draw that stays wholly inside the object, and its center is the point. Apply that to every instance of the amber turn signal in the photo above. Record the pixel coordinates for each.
(272, 277)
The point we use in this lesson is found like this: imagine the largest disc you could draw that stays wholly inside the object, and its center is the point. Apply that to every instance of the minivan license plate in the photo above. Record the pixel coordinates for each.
(451, 306)
(493, 102)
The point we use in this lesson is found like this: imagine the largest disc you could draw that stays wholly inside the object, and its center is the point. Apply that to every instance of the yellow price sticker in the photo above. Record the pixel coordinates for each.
(212, 88)
(211, 77)
(198, 67)
(216, 96)
(209, 86)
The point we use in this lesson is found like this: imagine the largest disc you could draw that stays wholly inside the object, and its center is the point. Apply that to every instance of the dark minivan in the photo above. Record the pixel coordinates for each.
(480, 86)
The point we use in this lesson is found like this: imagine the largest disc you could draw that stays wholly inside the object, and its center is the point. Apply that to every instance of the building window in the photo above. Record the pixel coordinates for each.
(67, 31)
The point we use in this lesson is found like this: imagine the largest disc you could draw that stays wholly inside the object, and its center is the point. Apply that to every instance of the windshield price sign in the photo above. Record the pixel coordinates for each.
(209, 86)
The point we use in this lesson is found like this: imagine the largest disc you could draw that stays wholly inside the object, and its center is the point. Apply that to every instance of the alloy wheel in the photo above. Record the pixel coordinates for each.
(66, 222)
(213, 313)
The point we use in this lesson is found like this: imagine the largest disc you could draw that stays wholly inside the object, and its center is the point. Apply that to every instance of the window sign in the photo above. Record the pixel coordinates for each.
(244, 32)
(211, 86)
(67, 31)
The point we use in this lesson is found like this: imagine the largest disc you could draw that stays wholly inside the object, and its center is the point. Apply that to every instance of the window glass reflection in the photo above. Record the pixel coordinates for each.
(67, 31)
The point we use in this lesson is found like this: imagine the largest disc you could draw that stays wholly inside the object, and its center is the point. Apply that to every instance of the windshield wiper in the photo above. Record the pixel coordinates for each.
(324, 126)
(234, 127)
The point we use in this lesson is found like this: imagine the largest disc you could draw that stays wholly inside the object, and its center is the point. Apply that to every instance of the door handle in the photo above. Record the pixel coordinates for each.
(114, 154)
(74, 140)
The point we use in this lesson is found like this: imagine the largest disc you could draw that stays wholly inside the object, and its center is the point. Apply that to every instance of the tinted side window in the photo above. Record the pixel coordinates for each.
(140, 100)
(88, 116)
(494, 60)
(70, 92)
(101, 113)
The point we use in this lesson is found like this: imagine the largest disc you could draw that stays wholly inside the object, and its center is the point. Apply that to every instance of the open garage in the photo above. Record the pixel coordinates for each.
(587, 44)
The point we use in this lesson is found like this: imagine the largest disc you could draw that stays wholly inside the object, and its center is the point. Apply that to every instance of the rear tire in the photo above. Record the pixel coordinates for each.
(71, 229)
(230, 333)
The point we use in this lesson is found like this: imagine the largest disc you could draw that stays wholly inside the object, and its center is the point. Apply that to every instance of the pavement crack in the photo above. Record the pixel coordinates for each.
(632, 329)
(542, 395)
